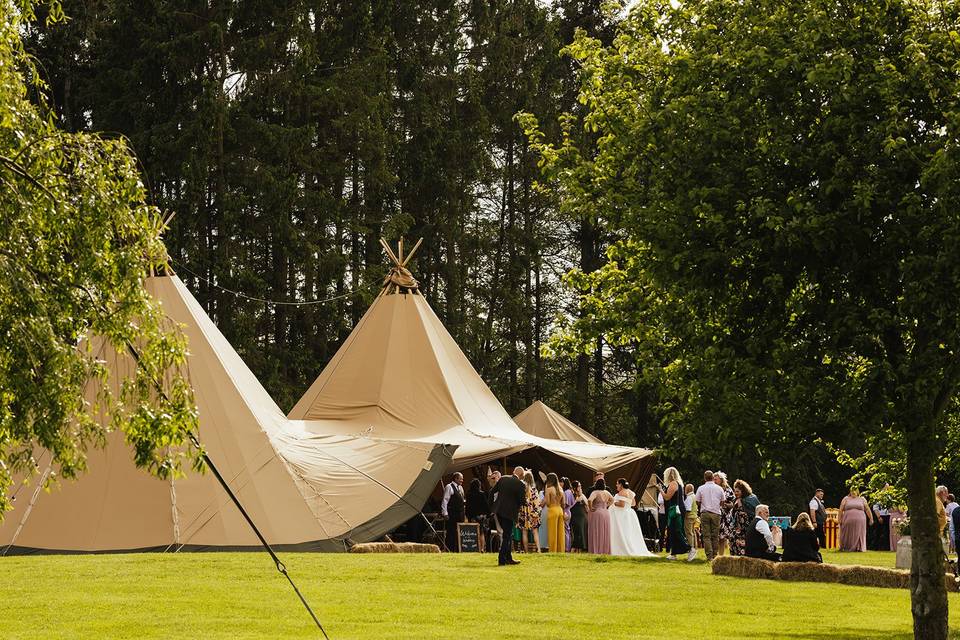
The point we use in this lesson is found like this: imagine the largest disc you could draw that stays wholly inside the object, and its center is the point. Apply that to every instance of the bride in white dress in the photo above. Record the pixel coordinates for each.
(626, 538)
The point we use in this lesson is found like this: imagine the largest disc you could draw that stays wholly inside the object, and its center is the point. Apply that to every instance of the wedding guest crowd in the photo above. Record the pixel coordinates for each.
(724, 519)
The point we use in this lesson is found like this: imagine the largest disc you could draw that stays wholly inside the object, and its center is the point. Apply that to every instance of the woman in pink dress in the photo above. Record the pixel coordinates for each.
(598, 520)
(854, 516)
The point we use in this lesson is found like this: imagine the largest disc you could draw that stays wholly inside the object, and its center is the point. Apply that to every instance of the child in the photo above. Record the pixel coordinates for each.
(690, 521)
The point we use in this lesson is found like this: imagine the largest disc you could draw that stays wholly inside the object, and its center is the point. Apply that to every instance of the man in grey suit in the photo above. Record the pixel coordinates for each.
(511, 494)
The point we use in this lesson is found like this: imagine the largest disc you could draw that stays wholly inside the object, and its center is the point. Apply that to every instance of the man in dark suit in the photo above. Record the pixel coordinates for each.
(511, 495)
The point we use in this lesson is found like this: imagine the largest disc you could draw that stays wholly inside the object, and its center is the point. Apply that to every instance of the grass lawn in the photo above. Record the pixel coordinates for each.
(240, 595)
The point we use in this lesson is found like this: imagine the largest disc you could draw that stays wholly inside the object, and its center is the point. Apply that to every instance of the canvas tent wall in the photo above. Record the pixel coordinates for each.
(400, 375)
(633, 464)
(305, 489)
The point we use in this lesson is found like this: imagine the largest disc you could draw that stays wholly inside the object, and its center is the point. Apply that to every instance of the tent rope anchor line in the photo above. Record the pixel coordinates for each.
(236, 501)
(282, 568)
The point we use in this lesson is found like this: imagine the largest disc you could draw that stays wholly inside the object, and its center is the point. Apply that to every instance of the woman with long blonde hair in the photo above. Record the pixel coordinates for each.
(800, 542)
(555, 499)
(673, 503)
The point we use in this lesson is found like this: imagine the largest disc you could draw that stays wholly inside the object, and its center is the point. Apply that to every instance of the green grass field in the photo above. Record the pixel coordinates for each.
(240, 595)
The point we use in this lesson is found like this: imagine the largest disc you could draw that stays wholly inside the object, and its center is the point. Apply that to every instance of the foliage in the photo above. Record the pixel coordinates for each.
(76, 242)
(785, 176)
(288, 137)
(903, 526)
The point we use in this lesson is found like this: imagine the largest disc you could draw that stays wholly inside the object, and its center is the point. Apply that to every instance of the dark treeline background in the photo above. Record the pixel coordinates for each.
(287, 137)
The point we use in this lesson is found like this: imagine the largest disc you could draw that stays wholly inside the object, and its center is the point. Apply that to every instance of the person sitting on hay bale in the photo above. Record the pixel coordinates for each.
(760, 542)
(800, 543)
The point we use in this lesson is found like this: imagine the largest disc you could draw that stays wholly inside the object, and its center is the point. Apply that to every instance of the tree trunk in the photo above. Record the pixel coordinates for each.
(599, 420)
(580, 402)
(928, 594)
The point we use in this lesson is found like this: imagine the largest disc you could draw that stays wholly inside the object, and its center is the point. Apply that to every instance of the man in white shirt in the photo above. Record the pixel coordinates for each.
(456, 484)
(709, 497)
(453, 508)
(760, 542)
(818, 515)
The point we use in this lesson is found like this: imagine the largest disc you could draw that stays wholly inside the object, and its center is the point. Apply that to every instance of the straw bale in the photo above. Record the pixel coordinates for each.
(854, 575)
(808, 572)
(743, 567)
(874, 577)
(394, 547)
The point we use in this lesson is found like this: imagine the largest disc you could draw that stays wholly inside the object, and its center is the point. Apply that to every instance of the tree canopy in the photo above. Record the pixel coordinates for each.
(785, 179)
(77, 241)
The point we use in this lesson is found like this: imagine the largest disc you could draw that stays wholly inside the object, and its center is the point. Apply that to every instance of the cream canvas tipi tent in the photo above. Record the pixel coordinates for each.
(540, 420)
(400, 375)
(303, 487)
(632, 464)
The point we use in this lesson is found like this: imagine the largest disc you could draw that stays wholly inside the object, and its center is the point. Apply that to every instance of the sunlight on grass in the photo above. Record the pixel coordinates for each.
(240, 595)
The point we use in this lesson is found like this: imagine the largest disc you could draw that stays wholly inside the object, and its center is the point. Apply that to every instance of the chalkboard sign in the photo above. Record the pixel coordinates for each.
(468, 537)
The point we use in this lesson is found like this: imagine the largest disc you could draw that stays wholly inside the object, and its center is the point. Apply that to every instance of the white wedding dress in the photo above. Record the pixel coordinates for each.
(626, 538)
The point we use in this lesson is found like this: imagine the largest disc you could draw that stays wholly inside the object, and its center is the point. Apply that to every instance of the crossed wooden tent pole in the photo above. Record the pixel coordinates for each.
(399, 276)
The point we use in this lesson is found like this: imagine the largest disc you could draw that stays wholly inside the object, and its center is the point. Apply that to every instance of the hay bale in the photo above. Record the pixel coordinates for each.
(807, 572)
(874, 577)
(394, 547)
(374, 547)
(416, 547)
(854, 575)
(743, 567)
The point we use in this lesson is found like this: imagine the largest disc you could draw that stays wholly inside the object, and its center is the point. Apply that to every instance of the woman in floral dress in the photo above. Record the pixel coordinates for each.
(741, 517)
(726, 513)
(528, 521)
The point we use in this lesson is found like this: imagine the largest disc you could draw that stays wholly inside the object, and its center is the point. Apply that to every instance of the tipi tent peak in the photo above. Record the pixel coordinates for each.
(540, 420)
(400, 279)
